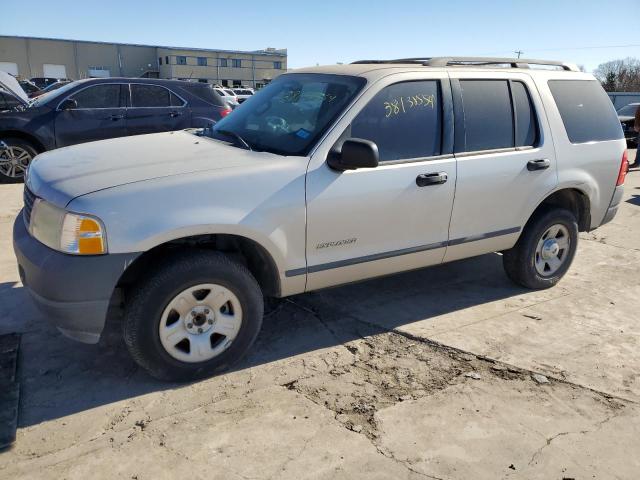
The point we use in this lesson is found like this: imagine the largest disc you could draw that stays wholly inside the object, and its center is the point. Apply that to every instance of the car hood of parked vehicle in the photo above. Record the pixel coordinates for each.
(61, 175)
(9, 83)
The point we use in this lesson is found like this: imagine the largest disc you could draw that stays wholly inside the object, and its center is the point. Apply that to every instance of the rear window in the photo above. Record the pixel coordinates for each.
(587, 113)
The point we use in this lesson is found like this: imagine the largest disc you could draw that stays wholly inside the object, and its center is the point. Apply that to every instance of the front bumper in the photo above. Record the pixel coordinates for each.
(72, 291)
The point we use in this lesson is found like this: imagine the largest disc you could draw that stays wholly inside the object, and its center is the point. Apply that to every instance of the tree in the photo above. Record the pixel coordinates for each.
(619, 75)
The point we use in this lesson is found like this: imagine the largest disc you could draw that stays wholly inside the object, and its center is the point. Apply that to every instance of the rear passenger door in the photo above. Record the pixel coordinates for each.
(98, 114)
(155, 109)
(505, 160)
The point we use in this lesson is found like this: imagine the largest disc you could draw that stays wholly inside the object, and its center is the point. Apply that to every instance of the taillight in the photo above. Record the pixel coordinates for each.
(624, 168)
(225, 111)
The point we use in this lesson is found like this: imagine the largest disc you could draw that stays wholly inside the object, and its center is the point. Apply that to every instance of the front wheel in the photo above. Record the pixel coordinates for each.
(545, 250)
(194, 316)
(15, 159)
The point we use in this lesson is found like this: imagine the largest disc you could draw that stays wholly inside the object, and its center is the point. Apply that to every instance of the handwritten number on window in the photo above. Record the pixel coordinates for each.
(400, 105)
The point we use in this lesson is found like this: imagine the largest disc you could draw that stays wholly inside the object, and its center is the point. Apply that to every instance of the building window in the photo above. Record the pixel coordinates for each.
(225, 83)
(236, 63)
(202, 61)
(223, 62)
(237, 83)
(203, 80)
(159, 60)
(181, 60)
(166, 59)
(277, 65)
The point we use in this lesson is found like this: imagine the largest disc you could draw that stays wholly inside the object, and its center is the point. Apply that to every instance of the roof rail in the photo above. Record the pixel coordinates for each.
(478, 61)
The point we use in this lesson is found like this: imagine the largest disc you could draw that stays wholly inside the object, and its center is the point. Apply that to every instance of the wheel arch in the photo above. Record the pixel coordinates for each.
(39, 146)
(245, 250)
(572, 199)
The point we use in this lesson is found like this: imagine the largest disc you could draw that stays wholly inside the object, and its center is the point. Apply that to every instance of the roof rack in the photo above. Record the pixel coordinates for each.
(476, 61)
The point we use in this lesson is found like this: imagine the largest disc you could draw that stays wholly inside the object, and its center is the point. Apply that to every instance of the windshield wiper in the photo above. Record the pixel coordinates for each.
(229, 133)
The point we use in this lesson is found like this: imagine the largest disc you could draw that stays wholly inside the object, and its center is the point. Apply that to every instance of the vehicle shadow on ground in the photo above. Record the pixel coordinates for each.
(634, 200)
(61, 377)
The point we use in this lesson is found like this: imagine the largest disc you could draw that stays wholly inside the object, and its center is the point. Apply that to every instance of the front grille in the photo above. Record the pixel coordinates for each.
(29, 198)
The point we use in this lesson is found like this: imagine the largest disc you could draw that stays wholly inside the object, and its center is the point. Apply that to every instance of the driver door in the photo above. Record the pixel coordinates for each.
(98, 113)
(374, 221)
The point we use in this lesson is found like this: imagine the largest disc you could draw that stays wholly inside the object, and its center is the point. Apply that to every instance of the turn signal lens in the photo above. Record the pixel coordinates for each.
(82, 235)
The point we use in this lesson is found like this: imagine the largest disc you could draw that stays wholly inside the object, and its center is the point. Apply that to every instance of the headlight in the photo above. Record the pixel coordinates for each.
(65, 231)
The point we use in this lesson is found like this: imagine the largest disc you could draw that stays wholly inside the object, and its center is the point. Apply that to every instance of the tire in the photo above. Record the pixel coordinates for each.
(524, 262)
(13, 162)
(148, 312)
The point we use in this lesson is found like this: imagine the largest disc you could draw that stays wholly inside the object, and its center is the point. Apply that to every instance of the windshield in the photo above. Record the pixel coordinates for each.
(52, 95)
(629, 110)
(290, 114)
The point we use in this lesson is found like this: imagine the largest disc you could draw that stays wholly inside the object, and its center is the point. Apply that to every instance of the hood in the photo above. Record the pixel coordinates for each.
(9, 83)
(61, 175)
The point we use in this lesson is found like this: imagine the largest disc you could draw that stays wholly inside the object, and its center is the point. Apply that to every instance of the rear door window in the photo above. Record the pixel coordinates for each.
(586, 110)
(526, 122)
(487, 114)
(98, 96)
(404, 120)
(149, 96)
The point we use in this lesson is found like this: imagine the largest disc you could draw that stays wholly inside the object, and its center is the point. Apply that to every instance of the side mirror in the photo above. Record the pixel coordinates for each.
(68, 104)
(355, 153)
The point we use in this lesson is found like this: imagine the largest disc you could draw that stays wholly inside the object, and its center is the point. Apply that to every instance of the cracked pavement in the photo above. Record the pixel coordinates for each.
(428, 374)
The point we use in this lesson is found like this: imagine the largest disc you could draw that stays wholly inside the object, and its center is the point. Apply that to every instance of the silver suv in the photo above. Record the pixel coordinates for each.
(326, 176)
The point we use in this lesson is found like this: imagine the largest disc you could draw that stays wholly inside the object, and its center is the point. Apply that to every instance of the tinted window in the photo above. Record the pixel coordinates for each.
(150, 96)
(526, 121)
(404, 120)
(587, 113)
(99, 96)
(629, 110)
(205, 93)
(487, 114)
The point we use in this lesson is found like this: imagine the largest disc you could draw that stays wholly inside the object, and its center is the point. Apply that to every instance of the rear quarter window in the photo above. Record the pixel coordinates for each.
(205, 93)
(587, 113)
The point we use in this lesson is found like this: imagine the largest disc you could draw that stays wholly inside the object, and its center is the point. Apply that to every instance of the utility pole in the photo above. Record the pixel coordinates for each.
(519, 52)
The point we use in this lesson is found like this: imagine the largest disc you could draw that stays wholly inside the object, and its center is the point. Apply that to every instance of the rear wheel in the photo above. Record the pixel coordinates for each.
(545, 250)
(15, 159)
(193, 317)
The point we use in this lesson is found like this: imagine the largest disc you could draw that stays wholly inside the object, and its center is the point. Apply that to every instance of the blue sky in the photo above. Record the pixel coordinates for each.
(329, 31)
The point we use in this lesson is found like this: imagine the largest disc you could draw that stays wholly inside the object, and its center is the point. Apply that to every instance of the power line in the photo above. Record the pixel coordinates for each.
(593, 47)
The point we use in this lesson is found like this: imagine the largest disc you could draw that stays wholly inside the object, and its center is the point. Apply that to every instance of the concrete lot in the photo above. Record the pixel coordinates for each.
(427, 374)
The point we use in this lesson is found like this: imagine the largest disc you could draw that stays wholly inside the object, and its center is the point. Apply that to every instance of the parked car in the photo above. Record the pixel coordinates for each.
(243, 93)
(44, 82)
(96, 109)
(50, 88)
(29, 87)
(386, 173)
(627, 115)
(228, 96)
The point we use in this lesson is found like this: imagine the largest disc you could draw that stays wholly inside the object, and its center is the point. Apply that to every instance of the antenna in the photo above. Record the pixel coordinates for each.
(519, 52)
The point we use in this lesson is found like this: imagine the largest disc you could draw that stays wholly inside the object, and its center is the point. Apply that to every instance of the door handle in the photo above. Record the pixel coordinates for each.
(175, 114)
(542, 164)
(117, 117)
(434, 178)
